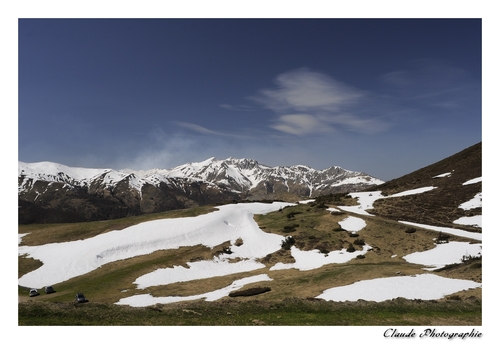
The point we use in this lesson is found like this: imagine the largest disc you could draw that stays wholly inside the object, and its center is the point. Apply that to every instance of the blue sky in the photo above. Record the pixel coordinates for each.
(382, 96)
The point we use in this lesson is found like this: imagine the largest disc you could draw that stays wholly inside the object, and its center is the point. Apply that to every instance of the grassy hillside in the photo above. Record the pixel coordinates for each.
(289, 297)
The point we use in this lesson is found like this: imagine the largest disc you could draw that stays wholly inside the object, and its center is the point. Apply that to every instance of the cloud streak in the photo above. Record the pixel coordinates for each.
(203, 130)
(307, 103)
(305, 90)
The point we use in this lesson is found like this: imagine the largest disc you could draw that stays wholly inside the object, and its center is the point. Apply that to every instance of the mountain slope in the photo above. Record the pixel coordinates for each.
(50, 192)
(456, 180)
(293, 251)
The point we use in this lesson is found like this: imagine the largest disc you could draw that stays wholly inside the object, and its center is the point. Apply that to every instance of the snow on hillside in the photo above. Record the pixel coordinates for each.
(444, 254)
(366, 200)
(62, 261)
(144, 300)
(423, 287)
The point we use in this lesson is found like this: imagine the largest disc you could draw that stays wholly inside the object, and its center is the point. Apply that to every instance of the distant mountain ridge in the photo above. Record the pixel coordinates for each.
(51, 192)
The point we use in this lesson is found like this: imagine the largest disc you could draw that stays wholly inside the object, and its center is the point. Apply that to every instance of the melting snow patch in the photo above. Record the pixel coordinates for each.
(309, 260)
(352, 224)
(472, 181)
(444, 254)
(475, 202)
(20, 237)
(457, 232)
(196, 271)
(447, 174)
(424, 287)
(149, 300)
(413, 192)
(476, 221)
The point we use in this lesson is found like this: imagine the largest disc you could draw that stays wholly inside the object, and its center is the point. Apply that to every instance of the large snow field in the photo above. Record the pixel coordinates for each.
(62, 261)
(423, 287)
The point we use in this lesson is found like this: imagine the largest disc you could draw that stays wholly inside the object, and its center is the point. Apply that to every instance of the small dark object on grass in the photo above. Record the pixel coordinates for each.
(80, 298)
(250, 291)
(49, 289)
(410, 230)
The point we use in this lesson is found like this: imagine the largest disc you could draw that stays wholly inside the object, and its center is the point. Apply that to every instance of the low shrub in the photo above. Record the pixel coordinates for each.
(359, 242)
(287, 243)
(351, 248)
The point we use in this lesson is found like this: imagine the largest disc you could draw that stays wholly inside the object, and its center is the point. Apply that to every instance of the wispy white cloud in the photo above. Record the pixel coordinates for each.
(307, 103)
(203, 130)
(304, 90)
(300, 124)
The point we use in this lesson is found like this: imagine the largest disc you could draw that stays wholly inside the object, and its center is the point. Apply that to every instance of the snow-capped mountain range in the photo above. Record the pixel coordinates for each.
(45, 184)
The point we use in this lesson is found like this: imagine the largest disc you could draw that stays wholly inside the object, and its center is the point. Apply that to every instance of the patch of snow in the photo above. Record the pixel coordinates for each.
(424, 287)
(149, 300)
(352, 224)
(476, 221)
(475, 202)
(472, 181)
(196, 271)
(444, 254)
(365, 200)
(457, 232)
(20, 237)
(447, 174)
(413, 192)
(309, 260)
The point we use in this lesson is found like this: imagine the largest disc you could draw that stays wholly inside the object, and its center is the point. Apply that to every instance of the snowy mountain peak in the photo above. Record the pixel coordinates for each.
(195, 183)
